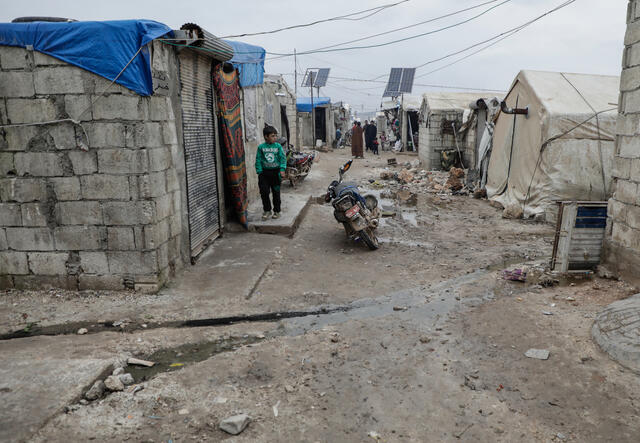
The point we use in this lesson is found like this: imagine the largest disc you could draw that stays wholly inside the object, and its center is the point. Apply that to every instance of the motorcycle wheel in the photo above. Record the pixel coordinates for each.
(369, 237)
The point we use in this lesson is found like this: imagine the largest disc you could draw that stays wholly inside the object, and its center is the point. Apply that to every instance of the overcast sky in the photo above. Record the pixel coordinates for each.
(586, 37)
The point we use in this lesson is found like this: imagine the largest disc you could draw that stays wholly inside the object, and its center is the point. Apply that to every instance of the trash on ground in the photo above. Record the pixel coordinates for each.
(82, 331)
(392, 161)
(514, 275)
(540, 354)
(138, 362)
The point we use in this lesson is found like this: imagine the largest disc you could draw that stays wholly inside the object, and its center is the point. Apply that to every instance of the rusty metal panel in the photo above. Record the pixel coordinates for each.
(199, 126)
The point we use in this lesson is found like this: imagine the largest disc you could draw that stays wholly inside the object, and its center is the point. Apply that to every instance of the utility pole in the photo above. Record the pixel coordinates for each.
(295, 104)
(313, 112)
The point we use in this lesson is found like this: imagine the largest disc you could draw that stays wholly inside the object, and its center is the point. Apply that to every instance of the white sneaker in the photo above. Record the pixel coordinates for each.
(276, 215)
(266, 215)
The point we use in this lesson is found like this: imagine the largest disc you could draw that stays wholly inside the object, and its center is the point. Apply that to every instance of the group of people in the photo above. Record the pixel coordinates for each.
(370, 132)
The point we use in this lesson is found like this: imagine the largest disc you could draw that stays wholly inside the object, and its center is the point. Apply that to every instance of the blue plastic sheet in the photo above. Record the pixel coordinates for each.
(103, 48)
(249, 61)
(303, 104)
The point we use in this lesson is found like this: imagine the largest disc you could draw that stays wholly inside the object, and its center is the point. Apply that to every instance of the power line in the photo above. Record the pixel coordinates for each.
(351, 48)
(340, 17)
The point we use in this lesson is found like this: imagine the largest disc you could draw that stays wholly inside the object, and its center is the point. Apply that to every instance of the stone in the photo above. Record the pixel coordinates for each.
(118, 371)
(30, 239)
(31, 110)
(59, 80)
(78, 238)
(14, 263)
(236, 424)
(120, 239)
(132, 262)
(138, 362)
(121, 107)
(126, 379)
(183, 411)
(38, 164)
(540, 354)
(122, 161)
(513, 211)
(94, 262)
(128, 213)
(104, 135)
(83, 162)
(10, 214)
(113, 383)
(16, 84)
(14, 58)
(406, 197)
(41, 59)
(79, 213)
(105, 187)
(82, 331)
(159, 159)
(66, 188)
(48, 263)
(101, 282)
(289, 388)
(96, 391)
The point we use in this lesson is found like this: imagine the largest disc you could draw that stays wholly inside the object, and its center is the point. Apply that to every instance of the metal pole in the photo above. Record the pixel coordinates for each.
(313, 112)
(295, 104)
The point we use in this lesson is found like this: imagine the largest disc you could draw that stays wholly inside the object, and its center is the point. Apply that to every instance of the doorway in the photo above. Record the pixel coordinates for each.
(321, 124)
(412, 127)
(284, 123)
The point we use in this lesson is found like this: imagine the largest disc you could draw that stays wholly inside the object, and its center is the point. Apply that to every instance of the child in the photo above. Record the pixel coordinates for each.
(271, 163)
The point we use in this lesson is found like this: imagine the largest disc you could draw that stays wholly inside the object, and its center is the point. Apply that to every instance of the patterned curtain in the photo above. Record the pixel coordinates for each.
(228, 96)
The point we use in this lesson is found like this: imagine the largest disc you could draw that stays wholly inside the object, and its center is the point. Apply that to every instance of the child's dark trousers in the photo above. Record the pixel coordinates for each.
(269, 180)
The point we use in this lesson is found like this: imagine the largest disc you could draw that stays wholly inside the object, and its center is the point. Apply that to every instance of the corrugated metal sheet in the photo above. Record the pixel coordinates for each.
(579, 235)
(199, 126)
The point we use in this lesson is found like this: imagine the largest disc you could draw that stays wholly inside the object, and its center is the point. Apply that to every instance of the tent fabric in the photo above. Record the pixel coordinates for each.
(411, 102)
(303, 104)
(249, 61)
(561, 150)
(450, 101)
(103, 48)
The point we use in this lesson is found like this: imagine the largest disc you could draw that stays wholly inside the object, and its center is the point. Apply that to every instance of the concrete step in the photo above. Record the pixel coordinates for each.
(294, 208)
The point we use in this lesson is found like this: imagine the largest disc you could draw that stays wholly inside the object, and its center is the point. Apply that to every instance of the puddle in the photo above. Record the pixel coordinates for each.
(174, 359)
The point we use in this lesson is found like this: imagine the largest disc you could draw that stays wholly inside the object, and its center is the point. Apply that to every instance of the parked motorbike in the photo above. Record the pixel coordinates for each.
(359, 215)
(298, 163)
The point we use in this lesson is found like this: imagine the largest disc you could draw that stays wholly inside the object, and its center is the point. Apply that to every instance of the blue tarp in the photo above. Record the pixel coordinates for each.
(303, 104)
(103, 48)
(249, 61)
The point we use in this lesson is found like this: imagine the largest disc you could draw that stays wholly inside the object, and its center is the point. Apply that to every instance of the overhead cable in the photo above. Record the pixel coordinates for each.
(340, 17)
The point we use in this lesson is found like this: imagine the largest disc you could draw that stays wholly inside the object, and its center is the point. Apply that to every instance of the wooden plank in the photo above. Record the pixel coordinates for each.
(564, 237)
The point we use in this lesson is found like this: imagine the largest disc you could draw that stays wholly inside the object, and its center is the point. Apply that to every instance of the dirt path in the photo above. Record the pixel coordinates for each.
(428, 345)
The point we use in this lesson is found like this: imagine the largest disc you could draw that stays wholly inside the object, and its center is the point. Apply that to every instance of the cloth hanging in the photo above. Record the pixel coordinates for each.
(228, 98)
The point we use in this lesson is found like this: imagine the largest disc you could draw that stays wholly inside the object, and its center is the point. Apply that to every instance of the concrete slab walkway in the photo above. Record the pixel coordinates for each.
(617, 332)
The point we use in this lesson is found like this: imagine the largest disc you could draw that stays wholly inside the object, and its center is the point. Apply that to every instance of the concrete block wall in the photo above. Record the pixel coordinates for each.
(433, 142)
(622, 239)
(89, 206)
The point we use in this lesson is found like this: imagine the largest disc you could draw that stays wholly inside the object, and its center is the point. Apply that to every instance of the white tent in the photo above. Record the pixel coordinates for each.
(563, 148)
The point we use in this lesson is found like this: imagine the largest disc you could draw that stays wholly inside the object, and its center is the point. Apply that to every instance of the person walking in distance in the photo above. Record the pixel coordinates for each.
(356, 141)
(271, 163)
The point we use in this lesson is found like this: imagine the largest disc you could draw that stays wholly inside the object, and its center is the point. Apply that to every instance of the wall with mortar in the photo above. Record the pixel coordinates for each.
(622, 239)
(433, 141)
(90, 206)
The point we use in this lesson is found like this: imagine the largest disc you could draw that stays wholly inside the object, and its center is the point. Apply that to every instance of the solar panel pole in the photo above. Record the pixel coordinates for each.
(295, 104)
(313, 113)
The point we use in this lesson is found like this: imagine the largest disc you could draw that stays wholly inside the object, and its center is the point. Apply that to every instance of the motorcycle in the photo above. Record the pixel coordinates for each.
(298, 163)
(359, 215)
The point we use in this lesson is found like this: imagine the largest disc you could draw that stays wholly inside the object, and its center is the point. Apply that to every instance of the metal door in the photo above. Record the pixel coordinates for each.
(199, 126)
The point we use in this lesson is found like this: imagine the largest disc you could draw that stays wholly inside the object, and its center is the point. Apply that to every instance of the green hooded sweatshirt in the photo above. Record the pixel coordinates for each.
(270, 156)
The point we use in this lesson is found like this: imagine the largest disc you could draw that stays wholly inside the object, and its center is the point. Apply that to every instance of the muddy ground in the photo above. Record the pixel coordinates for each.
(421, 340)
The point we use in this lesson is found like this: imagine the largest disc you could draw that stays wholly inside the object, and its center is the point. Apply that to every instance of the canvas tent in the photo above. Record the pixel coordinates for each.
(563, 148)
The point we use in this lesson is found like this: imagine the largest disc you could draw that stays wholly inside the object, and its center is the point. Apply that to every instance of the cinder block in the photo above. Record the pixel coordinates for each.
(22, 190)
(12, 57)
(160, 108)
(101, 282)
(138, 235)
(41, 59)
(120, 239)
(104, 187)
(173, 182)
(621, 168)
(3, 240)
(32, 282)
(10, 214)
(30, 239)
(633, 33)
(94, 262)
(31, 110)
(79, 213)
(78, 238)
(16, 84)
(18, 137)
(34, 214)
(6, 282)
(66, 188)
(164, 206)
(169, 134)
(621, 234)
(78, 107)
(630, 101)
(157, 234)
(59, 80)
(634, 170)
(105, 135)
(132, 262)
(38, 164)
(148, 135)
(159, 159)
(633, 217)
(122, 161)
(629, 80)
(64, 136)
(3, 114)
(12, 262)
(128, 213)
(617, 210)
(163, 255)
(175, 224)
(626, 192)
(83, 162)
(48, 263)
(121, 107)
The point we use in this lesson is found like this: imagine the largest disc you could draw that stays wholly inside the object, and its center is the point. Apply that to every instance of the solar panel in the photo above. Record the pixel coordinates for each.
(321, 79)
(393, 85)
(406, 84)
(309, 78)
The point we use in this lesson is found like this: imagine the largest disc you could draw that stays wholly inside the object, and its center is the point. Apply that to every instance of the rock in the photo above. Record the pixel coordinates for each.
(84, 402)
(392, 161)
(469, 383)
(387, 175)
(118, 371)
(96, 391)
(606, 273)
(236, 424)
(137, 361)
(400, 308)
(425, 339)
(126, 379)
(454, 183)
(113, 383)
(540, 354)
(183, 411)
(219, 400)
(512, 212)
(82, 331)
(406, 197)
(289, 388)
(480, 193)
(405, 176)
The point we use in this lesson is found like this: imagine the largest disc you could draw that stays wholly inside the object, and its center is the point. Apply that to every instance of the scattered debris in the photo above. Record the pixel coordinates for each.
(275, 409)
(405, 176)
(459, 435)
(289, 388)
(82, 331)
(113, 383)
(220, 400)
(235, 424)
(400, 308)
(138, 362)
(407, 197)
(392, 161)
(469, 383)
(547, 313)
(512, 212)
(183, 411)
(515, 275)
(374, 435)
(388, 213)
(425, 339)
(118, 371)
(540, 354)
(126, 379)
